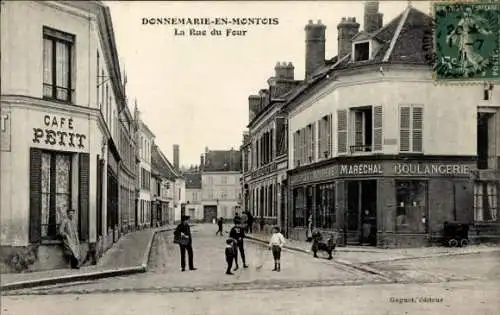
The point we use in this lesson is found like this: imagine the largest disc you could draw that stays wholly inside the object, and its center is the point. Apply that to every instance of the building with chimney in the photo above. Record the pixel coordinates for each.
(375, 152)
(265, 146)
(221, 187)
(145, 140)
(194, 193)
(163, 188)
(62, 97)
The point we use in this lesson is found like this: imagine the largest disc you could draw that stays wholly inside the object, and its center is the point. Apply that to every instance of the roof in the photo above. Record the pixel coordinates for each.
(161, 165)
(401, 43)
(193, 180)
(222, 160)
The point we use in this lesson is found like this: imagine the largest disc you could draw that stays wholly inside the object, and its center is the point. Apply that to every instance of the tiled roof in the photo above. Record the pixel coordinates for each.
(220, 160)
(161, 165)
(401, 42)
(193, 180)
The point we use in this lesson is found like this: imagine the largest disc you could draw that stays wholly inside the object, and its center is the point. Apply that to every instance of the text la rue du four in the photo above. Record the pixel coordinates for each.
(228, 32)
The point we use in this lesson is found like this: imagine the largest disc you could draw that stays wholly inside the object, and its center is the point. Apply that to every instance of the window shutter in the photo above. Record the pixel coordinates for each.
(342, 131)
(404, 128)
(313, 141)
(321, 141)
(295, 144)
(35, 195)
(83, 196)
(377, 128)
(329, 126)
(417, 122)
(100, 167)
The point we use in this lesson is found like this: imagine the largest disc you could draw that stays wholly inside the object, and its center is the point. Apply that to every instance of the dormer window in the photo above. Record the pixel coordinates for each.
(362, 51)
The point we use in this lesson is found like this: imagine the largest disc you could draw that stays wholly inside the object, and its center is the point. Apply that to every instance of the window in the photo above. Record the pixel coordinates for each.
(362, 129)
(485, 201)
(410, 128)
(410, 205)
(310, 143)
(362, 51)
(56, 192)
(57, 65)
(299, 208)
(325, 206)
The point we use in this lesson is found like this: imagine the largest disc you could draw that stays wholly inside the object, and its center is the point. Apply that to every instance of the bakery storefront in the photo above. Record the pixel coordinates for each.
(384, 203)
(46, 170)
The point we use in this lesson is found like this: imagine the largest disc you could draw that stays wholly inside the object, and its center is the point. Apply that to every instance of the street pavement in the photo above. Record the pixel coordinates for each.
(461, 298)
(164, 274)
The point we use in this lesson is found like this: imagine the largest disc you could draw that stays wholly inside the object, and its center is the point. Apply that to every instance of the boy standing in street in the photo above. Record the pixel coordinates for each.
(230, 253)
(275, 244)
(238, 233)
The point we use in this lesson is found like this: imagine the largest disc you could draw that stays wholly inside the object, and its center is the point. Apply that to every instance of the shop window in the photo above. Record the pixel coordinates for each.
(56, 192)
(299, 208)
(411, 205)
(57, 65)
(325, 216)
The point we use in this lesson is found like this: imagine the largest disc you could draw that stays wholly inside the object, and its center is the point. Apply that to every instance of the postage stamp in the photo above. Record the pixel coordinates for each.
(466, 41)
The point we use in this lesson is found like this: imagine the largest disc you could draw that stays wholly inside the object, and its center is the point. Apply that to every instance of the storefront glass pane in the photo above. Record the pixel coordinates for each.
(299, 208)
(411, 205)
(45, 194)
(325, 206)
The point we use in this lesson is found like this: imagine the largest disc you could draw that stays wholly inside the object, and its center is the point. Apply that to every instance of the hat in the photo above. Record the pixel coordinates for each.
(184, 217)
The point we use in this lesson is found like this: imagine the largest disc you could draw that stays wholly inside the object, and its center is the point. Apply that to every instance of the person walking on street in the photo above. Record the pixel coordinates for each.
(250, 222)
(182, 236)
(238, 233)
(220, 223)
(230, 254)
(276, 244)
(69, 233)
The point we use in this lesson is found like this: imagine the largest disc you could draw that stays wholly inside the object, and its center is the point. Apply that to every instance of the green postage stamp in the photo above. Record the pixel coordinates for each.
(467, 41)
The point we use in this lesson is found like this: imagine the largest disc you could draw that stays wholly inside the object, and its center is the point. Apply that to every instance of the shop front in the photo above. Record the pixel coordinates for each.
(386, 202)
(47, 166)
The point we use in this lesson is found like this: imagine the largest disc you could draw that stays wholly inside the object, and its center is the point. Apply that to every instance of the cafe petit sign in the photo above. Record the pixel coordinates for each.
(59, 131)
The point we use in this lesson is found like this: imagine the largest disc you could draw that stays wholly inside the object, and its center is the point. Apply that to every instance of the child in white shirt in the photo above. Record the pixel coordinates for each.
(275, 244)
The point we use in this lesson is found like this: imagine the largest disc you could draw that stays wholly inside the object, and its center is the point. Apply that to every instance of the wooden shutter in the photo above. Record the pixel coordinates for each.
(320, 139)
(295, 148)
(100, 167)
(404, 128)
(329, 138)
(83, 196)
(417, 122)
(35, 195)
(377, 128)
(313, 141)
(342, 131)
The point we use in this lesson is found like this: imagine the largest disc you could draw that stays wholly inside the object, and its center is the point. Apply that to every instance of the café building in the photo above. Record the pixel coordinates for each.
(386, 201)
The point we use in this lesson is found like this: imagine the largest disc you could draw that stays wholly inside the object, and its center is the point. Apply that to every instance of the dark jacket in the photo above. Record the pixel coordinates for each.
(183, 228)
(237, 233)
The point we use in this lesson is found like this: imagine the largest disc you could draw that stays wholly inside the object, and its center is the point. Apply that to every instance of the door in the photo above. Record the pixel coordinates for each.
(209, 213)
(361, 214)
(352, 213)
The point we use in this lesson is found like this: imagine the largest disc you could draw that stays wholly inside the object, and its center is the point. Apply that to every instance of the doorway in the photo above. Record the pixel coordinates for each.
(361, 214)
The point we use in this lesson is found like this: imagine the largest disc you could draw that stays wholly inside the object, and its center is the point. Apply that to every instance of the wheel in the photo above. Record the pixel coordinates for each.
(464, 242)
(453, 243)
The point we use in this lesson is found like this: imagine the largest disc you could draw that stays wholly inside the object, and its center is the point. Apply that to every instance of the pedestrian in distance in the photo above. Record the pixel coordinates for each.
(71, 244)
(250, 222)
(237, 233)
(275, 245)
(182, 236)
(220, 223)
(230, 254)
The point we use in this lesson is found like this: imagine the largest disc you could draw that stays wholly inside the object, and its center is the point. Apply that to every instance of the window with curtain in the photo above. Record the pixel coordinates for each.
(57, 64)
(56, 192)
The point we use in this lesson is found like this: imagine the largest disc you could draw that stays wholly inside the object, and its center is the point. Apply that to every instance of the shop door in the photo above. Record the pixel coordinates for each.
(361, 214)
(209, 213)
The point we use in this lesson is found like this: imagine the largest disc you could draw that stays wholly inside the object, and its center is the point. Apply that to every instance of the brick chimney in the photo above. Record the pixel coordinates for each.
(347, 28)
(284, 70)
(283, 80)
(176, 156)
(202, 161)
(315, 46)
(253, 106)
(373, 20)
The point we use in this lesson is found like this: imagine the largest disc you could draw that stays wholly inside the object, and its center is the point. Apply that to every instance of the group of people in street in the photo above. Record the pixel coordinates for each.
(234, 243)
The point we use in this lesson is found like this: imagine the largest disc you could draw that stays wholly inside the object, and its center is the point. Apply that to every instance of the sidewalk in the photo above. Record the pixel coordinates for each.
(127, 256)
(364, 255)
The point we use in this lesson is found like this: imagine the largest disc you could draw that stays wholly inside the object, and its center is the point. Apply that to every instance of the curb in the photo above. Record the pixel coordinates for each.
(87, 276)
(72, 278)
(431, 256)
(341, 262)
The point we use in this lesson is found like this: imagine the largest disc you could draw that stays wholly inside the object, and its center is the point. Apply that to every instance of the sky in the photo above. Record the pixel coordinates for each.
(193, 90)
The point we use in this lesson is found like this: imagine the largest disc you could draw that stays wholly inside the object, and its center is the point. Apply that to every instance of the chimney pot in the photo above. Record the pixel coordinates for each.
(310, 21)
(315, 47)
(347, 29)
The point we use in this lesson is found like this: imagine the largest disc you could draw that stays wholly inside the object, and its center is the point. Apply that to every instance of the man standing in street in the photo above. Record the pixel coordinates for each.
(69, 234)
(182, 236)
(250, 221)
(238, 234)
